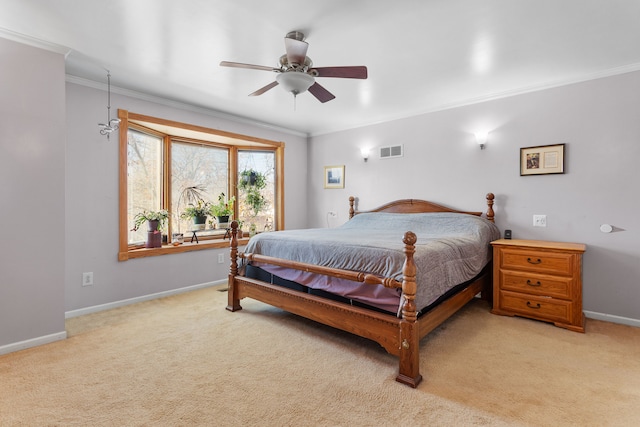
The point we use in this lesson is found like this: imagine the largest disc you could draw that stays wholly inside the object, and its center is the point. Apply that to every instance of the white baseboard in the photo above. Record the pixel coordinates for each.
(34, 342)
(613, 319)
(121, 303)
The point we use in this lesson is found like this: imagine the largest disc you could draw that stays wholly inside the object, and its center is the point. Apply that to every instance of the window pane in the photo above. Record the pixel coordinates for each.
(144, 178)
(201, 166)
(262, 162)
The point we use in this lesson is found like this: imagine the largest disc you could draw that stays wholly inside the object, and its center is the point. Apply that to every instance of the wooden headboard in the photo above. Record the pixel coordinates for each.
(421, 206)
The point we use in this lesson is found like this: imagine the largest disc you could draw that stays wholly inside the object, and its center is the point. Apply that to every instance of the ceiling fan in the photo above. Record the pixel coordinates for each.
(296, 73)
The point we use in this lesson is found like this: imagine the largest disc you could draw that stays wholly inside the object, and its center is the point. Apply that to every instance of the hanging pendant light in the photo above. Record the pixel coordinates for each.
(112, 124)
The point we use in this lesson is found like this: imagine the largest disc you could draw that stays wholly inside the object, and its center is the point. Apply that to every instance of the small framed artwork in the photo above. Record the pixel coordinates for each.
(542, 160)
(334, 176)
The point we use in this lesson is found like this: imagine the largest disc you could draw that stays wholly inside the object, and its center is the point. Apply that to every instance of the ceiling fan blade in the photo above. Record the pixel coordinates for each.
(249, 66)
(356, 72)
(321, 93)
(296, 50)
(264, 89)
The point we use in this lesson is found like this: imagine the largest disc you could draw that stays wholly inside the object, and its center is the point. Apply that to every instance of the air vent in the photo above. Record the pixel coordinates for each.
(393, 151)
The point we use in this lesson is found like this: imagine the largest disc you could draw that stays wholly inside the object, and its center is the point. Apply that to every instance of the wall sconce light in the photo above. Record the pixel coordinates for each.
(364, 152)
(481, 139)
(112, 124)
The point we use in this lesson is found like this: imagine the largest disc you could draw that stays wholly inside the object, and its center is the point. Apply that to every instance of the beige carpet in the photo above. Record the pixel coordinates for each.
(185, 360)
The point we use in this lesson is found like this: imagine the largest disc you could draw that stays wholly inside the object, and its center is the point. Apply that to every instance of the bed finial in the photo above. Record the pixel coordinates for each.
(490, 213)
(352, 212)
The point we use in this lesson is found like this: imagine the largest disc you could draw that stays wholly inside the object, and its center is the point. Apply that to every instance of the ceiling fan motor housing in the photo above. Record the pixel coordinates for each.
(285, 64)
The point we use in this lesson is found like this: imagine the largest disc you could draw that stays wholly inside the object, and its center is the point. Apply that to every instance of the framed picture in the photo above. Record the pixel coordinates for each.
(334, 176)
(542, 160)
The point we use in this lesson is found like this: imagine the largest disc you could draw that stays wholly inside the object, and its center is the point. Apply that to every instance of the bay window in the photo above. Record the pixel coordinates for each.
(161, 160)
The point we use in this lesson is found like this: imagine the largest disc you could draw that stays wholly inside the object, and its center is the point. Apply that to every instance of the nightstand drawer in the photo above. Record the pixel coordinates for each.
(543, 262)
(536, 284)
(536, 307)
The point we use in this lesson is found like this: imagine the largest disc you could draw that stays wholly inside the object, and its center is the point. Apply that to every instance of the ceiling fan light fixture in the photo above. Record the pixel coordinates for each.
(295, 82)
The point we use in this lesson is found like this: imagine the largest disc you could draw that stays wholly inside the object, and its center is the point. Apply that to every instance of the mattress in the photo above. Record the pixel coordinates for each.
(451, 249)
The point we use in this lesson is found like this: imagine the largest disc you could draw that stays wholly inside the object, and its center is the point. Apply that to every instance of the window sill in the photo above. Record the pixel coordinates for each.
(184, 247)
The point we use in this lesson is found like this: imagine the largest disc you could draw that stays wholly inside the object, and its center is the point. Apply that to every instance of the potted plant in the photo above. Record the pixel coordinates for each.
(223, 210)
(156, 221)
(251, 183)
(198, 212)
(249, 177)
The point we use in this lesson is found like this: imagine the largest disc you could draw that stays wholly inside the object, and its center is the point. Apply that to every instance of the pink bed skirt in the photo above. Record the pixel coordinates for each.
(374, 295)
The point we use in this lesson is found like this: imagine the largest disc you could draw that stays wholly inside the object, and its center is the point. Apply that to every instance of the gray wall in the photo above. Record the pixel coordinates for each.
(598, 120)
(32, 143)
(92, 202)
(60, 198)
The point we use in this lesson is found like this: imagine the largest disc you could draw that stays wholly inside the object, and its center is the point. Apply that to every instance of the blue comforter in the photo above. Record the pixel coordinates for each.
(451, 248)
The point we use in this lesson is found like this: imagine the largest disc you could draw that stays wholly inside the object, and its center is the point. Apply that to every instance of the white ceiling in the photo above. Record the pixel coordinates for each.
(422, 55)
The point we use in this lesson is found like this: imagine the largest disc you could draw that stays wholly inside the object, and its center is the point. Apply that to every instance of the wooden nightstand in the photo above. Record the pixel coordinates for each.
(538, 279)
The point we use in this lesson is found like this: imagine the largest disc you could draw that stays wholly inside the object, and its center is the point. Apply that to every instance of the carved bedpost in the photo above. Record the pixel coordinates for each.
(409, 277)
(233, 303)
(351, 210)
(487, 287)
(490, 213)
(409, 372)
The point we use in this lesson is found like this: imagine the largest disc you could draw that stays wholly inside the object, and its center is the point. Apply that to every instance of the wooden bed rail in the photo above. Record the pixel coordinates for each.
(354, 276)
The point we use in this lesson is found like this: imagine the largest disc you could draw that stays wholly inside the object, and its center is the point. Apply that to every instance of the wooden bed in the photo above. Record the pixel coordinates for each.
(399, 336)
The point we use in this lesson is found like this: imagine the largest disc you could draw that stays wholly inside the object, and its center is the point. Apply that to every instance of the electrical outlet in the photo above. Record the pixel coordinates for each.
(539, 220)
(332, 214)
(220, 258)
(87, 279)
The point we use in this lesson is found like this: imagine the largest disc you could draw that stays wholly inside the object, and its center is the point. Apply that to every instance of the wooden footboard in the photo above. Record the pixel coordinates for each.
(399, 336)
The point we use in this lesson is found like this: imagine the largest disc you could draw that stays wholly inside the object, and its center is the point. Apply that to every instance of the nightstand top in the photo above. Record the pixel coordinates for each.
(541, 244)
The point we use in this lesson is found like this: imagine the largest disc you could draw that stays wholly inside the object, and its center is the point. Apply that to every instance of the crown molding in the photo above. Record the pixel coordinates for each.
(32, 41)
(181, 105)
(612, 72)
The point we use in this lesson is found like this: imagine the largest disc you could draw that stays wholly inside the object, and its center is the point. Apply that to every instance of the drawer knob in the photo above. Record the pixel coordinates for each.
(537, 261)
(533, 306)
(530, 283)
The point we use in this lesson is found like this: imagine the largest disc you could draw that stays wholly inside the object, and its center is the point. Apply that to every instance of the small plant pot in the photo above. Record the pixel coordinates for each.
(223, 221)
(154, 236)
(154, 239)
(153, 224)
(250, 178)
(199, 222)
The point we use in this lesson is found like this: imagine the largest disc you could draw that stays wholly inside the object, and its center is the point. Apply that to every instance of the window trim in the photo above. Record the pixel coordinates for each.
(183, 131)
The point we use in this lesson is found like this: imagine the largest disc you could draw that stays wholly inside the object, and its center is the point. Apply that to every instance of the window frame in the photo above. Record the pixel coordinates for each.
(172, 130)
